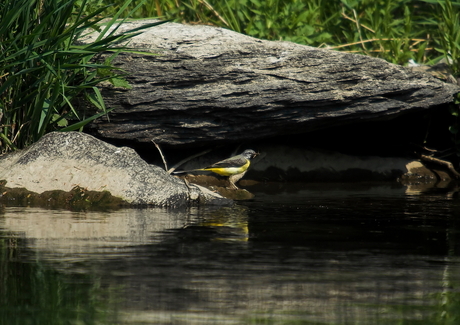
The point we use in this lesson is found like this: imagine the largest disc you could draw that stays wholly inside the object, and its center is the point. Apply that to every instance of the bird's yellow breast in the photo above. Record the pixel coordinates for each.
(229, 171)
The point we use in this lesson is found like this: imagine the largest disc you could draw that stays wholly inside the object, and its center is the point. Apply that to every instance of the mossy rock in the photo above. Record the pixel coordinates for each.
(76, 199)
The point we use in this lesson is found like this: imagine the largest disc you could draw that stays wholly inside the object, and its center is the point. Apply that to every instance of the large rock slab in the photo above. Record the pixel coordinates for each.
(208, 85)
(66, 160)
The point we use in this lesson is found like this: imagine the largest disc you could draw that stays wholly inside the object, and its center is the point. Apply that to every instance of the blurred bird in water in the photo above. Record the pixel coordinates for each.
(233, 167)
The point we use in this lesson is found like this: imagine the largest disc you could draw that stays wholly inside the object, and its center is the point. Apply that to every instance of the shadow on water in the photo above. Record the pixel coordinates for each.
(305, 254)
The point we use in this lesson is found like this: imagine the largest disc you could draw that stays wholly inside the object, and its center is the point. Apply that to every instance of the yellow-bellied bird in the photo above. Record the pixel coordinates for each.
(233, 167)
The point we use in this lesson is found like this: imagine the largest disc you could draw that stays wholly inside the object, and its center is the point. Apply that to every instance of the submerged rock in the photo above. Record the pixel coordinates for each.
(67, 160)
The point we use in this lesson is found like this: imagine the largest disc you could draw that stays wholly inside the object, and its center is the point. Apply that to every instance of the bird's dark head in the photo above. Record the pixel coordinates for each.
(249, 154)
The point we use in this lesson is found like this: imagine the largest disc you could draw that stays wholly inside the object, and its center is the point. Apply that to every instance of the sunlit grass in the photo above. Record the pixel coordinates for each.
(423, 30)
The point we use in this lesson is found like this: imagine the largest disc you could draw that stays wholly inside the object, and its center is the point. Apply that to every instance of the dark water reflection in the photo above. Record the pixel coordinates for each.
(311, 254)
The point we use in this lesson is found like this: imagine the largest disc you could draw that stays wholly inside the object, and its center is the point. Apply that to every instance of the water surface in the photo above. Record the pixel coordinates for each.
(304, 254)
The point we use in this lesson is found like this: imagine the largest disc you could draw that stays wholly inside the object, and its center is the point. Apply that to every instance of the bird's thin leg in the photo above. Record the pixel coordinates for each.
(232, 185)
(235, 178)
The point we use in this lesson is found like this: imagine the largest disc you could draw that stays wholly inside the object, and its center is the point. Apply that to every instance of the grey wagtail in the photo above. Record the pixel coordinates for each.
(234, 167)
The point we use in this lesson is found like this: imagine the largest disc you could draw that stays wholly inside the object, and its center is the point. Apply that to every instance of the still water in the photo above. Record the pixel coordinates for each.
(306, 254)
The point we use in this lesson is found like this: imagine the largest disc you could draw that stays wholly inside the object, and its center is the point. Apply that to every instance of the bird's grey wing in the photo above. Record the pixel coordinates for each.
(230, 162)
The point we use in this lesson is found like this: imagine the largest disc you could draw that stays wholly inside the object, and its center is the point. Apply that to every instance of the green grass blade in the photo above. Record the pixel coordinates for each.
(81, 124)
